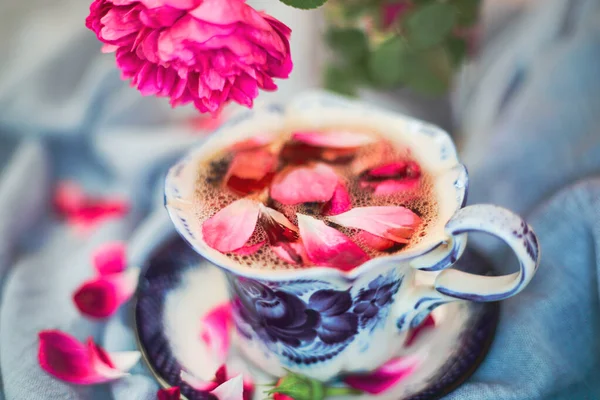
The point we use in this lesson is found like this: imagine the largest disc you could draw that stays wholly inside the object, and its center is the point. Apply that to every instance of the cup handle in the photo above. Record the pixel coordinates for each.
(451, 284)
(509, 227)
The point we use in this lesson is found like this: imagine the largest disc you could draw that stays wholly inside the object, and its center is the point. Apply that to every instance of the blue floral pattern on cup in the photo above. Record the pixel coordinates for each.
(307, 327)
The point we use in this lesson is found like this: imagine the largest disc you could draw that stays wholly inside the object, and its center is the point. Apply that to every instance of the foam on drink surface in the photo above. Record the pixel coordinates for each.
(212, 196)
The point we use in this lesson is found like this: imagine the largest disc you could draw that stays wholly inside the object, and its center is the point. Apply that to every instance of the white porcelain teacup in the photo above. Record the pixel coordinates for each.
(323, 322)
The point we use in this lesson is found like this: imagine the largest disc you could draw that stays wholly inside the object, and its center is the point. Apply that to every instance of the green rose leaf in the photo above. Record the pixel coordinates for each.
(467, 11)
(429, 72)
(341, 80)
(429, 25)
(387, 63)
(350, 43)
(304, 4)
(457, 47)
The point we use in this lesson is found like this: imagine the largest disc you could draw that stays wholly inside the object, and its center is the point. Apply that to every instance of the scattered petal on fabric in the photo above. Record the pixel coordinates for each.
(390, 222)
(251, 171)
(328, 247)
(197, 384)
(414, 333)
(304, 184)
(233, 389)
(391, 178)
(101, 297)
(110, 258)
(334, 139)
(340, 201)
(169, 394)
(206, 52)
(385, 378)
(64, 357)
(216, 332)
(375, 242)
(84, 212)
(231, 227)
(250, 249)
(222, 377)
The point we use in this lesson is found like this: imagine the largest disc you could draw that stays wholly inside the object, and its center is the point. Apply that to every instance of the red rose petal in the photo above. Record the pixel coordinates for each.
(304, 184)
(391, 178)
(413, 334)
(249, 250)
(64, 357)
(216, 331)
(328, 247)
(391, 222)
(169, 394)
(340, 201)
(334, 139)
(251, 171)
(385, 378)
(102, 297)
(110, 258)
(375, 242)
(282, 236)
(231, 227)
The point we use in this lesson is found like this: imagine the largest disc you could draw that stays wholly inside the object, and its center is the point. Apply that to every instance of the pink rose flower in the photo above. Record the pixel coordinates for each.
(203, 51)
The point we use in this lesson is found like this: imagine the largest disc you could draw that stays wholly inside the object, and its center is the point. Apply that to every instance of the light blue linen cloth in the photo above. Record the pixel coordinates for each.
(530, 112)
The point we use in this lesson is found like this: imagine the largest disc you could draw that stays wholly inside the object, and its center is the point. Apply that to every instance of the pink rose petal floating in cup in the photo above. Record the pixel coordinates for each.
(340, 201)
(248, 250)
(390, 222)
(384, 378)
(391, 178)
(169, 394)
(328, 247)
(375, 242)
(65, 358)
(334, 139)
(282, 236)
(216, 331)
(251, 171)
(304, 184)
(231, 227)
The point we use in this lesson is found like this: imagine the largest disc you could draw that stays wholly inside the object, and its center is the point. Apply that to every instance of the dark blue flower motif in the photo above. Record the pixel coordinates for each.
(376, 297)
(336, 323)
(275, 316)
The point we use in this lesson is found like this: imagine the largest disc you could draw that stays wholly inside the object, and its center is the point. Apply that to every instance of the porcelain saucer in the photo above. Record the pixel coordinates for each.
(178, 287)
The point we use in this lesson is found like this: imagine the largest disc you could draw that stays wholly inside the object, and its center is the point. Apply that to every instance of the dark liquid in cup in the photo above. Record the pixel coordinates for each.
(376, 173)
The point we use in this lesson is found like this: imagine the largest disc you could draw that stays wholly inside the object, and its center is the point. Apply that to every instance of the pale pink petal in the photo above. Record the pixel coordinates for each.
(414, 333)
(64, 357)
(250, 249)
(340, 201)
(110, 258)
(102, 297)
(69, 197)
(230, 228)
(391, 222)
(334, 139)
(216, 331)
(251, 171)
(169, 394)
(385, 378)
(304, 184)
(233, 389)
(120, 361)
(375, 242)
(328, 247)
(197, 384)
(293, 252)
(109, 48)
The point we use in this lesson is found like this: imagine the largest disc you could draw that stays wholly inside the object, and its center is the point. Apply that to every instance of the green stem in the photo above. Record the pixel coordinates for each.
(340, 391)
